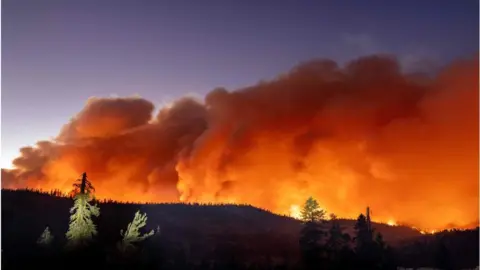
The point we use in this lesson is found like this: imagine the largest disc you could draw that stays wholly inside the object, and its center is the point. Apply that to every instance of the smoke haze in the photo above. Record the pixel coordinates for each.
(361, 135)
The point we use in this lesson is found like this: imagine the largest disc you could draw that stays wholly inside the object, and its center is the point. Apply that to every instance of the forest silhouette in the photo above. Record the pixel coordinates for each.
(55, 230)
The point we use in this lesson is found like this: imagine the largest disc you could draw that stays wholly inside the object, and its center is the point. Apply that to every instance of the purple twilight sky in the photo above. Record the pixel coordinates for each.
(56, 54)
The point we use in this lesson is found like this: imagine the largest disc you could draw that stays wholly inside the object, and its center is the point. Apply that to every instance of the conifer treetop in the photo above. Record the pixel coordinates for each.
(337, 239)
(83, 185)
(311, 211)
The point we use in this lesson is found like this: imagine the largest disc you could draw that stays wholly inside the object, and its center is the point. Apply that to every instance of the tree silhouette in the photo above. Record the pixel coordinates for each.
(311, 211)
(23, 209)
(337, 245)
(312, 250)
(371, 253)
(384, 253)
(83, 185)
(81, 228)
(379, 241)
(364, 235)
(337, 239)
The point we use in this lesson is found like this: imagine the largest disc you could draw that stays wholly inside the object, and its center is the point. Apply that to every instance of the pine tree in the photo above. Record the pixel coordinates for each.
(313, 252)
(81, 229)
(384, 255)
(337, 239)
(311, 211)
(372, 253)
(379, 240)
(364, 236)
(83, 185)
(337, 246)
(368, 220)
(132, 234)
(46, 238)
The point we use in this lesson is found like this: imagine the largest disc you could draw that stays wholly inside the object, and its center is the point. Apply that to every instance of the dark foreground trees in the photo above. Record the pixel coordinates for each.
(370, 249)
(188, 241)
(81, 250)
(338, 246)
(312, 235)
(334, 249)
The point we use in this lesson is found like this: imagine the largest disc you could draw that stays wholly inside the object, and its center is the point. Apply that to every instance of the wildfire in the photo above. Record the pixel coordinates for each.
(361, 135)
(424, 231)
(391, 222)
(295, 211)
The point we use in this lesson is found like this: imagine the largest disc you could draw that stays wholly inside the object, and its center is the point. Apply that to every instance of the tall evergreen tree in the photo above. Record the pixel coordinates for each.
(311, 236)
(81, 228)
(337, 240)
(370, 249)
(384, 253)
(364, 235)
(364, 244)
(338, 246)
(379, 241)
(369, 221)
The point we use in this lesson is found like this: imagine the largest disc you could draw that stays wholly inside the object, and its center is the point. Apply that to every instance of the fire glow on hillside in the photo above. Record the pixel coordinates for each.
(295, 211)
(363, 135)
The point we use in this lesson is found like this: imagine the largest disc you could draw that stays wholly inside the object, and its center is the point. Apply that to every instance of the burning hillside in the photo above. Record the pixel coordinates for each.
(364, 134)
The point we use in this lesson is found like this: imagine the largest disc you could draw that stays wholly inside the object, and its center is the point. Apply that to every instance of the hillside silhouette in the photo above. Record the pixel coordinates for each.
(199, 232)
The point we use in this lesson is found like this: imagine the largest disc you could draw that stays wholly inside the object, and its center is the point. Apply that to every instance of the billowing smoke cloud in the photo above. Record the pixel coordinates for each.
(363, 134)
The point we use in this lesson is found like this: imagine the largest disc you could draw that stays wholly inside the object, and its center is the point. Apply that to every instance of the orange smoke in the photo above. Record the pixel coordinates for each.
(361, 135)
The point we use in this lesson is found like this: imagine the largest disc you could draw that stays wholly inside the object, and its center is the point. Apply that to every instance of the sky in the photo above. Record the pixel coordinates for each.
(57, 54)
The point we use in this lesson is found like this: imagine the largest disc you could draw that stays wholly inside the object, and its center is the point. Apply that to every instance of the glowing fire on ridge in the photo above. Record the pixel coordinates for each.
(391, 222)
(295, 211)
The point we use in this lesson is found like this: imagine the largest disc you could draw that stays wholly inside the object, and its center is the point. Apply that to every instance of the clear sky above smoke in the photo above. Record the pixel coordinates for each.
(56, 54)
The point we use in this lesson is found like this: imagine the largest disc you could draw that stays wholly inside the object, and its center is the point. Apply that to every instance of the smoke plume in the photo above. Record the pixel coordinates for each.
(365, 134)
